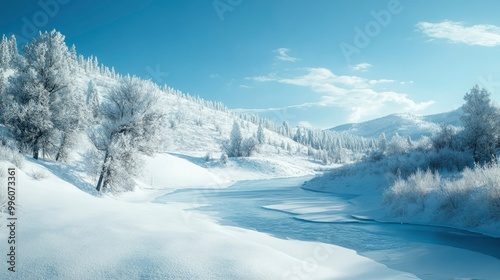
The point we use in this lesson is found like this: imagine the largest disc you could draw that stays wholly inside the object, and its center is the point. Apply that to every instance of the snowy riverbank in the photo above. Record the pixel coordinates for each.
(66, 232)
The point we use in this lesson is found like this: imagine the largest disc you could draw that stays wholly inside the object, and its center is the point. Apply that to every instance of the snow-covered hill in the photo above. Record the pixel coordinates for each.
(197, 128)
(195, 124)
(405, 124)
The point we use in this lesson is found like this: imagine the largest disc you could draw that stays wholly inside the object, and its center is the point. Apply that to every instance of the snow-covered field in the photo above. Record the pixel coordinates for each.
(67, 232)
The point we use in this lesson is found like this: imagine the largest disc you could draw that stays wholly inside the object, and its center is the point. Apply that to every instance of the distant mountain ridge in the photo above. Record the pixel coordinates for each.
(405, 124)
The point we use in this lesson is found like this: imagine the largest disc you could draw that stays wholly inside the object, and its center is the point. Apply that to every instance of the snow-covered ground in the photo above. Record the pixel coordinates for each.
(364, 191)
(367, 185)
(65, 231)
(281, 208)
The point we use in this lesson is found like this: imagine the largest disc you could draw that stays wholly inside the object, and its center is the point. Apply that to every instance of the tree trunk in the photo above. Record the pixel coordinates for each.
(103, 180)
(60, 151)
(35, 149)
(99, 183)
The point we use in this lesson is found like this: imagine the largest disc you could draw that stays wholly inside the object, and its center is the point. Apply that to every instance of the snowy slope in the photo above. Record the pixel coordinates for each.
(197, 130)
(67, 233)
(164, 173)
(404, 124)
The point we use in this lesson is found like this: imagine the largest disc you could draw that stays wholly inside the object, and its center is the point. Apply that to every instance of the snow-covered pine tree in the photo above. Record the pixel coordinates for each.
(409, 142)
(234, 146)
(14, 53)
(92, 99)
(260, 134)
(5, 52)
(286, 129)
(382, 143)
(480, 119)
(132, 124)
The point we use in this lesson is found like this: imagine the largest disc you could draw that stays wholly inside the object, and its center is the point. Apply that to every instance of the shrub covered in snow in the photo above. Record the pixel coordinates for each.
(471, 200)
(408, 163)
(409, 196)
(223, 158)
(38, 175)
(10, 154)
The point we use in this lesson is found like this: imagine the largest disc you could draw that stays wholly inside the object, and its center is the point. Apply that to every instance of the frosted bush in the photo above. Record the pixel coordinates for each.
(17, 159)
(448, 159)
(223, 158)
(10, 154)
(471, 200)
(409, 196)
(38, 175)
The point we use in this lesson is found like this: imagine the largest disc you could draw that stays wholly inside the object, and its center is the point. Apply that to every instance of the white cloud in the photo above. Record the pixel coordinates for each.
(361, 67)
(352, 93)
(267, 78)
(282, 54)
(404, 83)
(245, 86)
(481, 35)
(381, 81)
(214, 76)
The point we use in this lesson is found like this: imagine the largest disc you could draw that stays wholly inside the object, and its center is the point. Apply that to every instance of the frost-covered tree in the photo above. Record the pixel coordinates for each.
(68, 121)
(92, 99)
(8, 52)
(382, 143)
(397, 145)
(248, 146)
(5, 54)
(233, 147)
(298, 136)
(480, 124)
(444, 138)
(3, 98)
(13, 51)
(132, 120)
(42, 111)
(260, 134)
(409, 142)
(2, 83)
(286, 129)
(237, 146)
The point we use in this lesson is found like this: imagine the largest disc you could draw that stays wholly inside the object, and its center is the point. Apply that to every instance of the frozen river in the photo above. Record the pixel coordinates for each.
(283, 209)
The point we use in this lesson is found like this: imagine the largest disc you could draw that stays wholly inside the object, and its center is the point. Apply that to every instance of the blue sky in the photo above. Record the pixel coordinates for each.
(320, 63)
